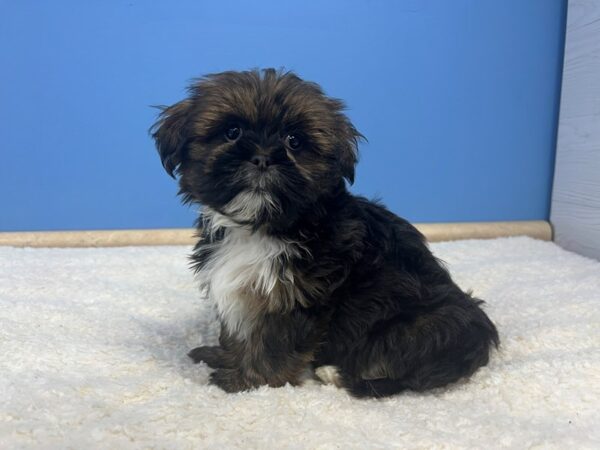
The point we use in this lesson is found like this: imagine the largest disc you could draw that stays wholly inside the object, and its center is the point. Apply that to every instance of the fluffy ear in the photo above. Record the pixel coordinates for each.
(169, 133)
(348, 156)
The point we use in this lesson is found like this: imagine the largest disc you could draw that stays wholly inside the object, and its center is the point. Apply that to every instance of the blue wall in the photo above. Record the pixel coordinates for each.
(458, 99)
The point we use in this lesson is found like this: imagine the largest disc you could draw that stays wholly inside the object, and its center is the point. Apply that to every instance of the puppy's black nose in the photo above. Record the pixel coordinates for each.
(261, 161)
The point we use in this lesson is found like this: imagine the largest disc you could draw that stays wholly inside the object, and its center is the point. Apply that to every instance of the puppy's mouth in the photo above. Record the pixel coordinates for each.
(252, 206)
(260, 180)
(257, 200)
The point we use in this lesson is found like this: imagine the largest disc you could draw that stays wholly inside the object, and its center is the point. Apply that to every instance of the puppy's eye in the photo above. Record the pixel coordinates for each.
(233, 133)
(293, 141)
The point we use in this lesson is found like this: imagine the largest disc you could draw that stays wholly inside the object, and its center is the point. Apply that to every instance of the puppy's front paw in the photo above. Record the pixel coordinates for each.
(230, 380)
(212, 355)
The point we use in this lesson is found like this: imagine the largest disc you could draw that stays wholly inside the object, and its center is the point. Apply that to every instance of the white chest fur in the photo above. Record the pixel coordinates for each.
(247, 276)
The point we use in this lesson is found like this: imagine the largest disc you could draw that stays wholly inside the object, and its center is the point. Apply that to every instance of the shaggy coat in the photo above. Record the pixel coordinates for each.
(303, 273)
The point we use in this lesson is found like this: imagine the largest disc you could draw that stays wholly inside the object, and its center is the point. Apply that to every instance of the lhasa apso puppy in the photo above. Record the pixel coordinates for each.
(304, 274)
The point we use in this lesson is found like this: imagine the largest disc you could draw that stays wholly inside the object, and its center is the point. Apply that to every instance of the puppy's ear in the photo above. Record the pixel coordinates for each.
(348, 156)
(347, 138)
(170, 134)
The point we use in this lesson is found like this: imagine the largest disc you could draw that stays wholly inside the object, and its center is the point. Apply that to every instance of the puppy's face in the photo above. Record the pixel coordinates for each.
(258, 147)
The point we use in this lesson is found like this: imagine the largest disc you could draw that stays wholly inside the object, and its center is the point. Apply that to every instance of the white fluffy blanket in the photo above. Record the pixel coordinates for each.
(93, 349)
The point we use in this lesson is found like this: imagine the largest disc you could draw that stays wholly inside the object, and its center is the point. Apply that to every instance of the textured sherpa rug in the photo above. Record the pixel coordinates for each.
(93, 349)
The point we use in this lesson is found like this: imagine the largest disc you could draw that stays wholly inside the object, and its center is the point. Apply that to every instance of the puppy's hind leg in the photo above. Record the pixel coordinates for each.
(433, 350)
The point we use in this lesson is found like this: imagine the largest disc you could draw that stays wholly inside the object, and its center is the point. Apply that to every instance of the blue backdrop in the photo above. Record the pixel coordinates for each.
(458, 99)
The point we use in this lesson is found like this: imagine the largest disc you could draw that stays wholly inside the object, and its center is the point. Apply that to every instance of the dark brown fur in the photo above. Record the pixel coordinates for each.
(355, 286)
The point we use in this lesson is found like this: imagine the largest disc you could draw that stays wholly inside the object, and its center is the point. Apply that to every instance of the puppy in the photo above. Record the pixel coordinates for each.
(303, 273)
